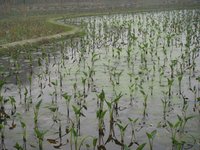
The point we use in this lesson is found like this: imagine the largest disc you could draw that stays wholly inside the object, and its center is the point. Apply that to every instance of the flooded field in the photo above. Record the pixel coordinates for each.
(131, 82)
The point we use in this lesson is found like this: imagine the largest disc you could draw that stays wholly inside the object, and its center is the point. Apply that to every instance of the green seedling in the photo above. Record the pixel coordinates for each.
(2, 130)
(13, 105)
(172, 65)
(133, 125)
(26, 99)
(19, 85)
(40, 136)
(23, 125)
(78, 113)
(151, 137)
(36, 113)
(111, 127)
(95, 57)
(180, 77)
(170, 83)
(183, 120)
(122, 129)
(198, 87)
(67, 100)
(55, 84)
(174, 129)
(84, 83)
(30, 87)
(75, 90)
(18, 147)
(100, 115)
(129, 50)
(144, 103)
(141, 147)
(194, 91)
(165, 103)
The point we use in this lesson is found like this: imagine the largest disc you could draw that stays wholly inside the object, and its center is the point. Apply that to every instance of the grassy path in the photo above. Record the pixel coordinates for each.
(72, 31)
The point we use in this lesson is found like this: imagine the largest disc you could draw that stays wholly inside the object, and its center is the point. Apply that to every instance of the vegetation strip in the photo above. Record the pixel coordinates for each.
(73, 30)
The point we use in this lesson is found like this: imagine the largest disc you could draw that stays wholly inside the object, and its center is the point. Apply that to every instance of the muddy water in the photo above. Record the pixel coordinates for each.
(141, 50)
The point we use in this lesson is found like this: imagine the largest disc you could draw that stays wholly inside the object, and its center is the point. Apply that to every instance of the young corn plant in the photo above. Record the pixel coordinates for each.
(91, 73)
(145, 96)
(183, 120)
(129, 50)
(2, 130)
(131, 91)
(141, 147)
(118, 75)
(19, 85)
(13, 111)
(165, 103)
(26, 105)
(116, 102)
(23, 125)
(78, 113)
(55, 84)
(122, 129)
(18, 147)
(100, 115)
(194, 91)
(84, 84)
(40, 136)
(174, 129)
(172, 65)
(111, 127)
(133, 122)
(95, 57)
(198, 86)
(170, 83)
(151, 137)
(30, 86)
(36, 113)
(180, 77)
(67, 100)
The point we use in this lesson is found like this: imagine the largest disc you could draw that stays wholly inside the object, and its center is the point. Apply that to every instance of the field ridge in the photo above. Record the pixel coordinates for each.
(73, 30)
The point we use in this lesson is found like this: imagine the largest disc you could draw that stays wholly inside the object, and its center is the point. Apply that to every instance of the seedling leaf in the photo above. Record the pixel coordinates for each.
(141, 146)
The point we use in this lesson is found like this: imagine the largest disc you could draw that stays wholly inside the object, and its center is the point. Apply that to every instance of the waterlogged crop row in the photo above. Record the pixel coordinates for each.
(132, 82)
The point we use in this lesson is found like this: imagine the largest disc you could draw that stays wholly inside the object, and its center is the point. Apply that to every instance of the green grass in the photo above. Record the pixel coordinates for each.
(22, 28)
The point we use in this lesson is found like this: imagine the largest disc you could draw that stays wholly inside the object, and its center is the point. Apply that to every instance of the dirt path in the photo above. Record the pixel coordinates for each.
(74, 30)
